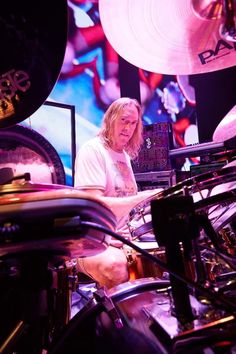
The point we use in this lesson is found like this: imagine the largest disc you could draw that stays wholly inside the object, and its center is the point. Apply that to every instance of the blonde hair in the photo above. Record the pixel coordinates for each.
(114, 111)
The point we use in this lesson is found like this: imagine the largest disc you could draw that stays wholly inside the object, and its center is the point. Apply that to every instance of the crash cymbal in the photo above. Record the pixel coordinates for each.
(171, 37)
(33, 42)
(226, 129)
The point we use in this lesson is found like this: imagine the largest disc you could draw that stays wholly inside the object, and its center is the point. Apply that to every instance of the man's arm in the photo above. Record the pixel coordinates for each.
(122, 206)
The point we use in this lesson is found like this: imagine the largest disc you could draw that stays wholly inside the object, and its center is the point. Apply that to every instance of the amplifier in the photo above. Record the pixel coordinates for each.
(154, 154)
(157, 179)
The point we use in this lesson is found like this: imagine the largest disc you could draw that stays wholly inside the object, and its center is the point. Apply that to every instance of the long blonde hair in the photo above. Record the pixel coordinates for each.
(114, 111)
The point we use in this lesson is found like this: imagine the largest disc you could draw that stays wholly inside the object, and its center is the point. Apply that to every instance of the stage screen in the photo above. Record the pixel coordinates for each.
(89, 80)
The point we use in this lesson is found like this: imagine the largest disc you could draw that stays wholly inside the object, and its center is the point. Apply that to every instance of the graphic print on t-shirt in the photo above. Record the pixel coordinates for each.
(124, 183)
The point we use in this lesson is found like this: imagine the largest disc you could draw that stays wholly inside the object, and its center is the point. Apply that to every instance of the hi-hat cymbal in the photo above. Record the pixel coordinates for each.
(33, 42)
(179, 37)
(226, 129)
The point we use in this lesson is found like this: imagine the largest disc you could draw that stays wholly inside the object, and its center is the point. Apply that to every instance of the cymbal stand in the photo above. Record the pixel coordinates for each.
(228, 29)
(172, 223)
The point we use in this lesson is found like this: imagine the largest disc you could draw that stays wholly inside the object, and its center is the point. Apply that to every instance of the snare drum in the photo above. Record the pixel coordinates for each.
(140, 266)
(199, 187)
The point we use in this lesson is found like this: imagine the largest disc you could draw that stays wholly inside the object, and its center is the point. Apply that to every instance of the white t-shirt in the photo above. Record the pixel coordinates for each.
(99, 167)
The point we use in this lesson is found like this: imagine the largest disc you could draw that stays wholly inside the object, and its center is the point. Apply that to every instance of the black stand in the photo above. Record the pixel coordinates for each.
(173, 224)
(24, 307)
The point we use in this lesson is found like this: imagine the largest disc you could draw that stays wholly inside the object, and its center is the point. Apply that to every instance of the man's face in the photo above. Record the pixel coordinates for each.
(124, 127)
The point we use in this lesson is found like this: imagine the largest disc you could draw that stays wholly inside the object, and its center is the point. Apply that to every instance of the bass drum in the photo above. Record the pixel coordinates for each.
(137, 320)
(26, 151)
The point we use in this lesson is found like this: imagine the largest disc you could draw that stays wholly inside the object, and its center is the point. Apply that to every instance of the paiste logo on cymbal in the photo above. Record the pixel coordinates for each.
(222, 48)
(11, 83)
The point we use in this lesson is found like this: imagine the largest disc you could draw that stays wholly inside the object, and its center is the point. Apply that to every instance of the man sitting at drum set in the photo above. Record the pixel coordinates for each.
(103, 169)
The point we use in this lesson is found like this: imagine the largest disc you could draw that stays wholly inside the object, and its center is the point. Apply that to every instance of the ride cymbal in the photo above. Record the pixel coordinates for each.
(33, 42)
(226, 129)
(179, 37)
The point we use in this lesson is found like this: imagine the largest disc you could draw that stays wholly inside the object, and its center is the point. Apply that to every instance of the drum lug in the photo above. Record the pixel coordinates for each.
(102, 297)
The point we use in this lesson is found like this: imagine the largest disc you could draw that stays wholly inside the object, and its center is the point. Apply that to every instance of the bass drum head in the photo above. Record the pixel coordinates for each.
(25, 151)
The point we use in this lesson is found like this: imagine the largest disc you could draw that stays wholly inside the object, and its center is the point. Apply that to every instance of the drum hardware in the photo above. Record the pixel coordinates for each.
(215, 258)
(136, 215)
(65, 281)
(168, 216)
(8, 345)
(50, 221)
(228, 29)
(6, 175)
(214, 228)
(140, 266)
(141, 304)
(25, 176)
(28, 323)
(36, 227)
(102, 296)
(71, 325)
(177, 274)
(229, 239)
(210, 294)
(197, 183)
(78, 223)
(222, 216)
(226, 276)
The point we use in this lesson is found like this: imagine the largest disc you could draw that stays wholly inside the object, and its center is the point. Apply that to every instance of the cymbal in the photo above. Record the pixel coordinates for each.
(51, 220)
(226, 129)
(33, 42)
(179, 37)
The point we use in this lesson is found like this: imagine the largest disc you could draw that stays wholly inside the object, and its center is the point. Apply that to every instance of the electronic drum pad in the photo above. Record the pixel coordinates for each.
(33, 43)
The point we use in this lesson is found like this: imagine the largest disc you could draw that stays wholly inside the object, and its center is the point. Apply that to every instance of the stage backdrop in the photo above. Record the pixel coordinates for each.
(90, 81)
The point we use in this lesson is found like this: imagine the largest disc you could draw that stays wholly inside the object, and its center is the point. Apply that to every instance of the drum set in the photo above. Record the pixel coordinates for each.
(181, 259)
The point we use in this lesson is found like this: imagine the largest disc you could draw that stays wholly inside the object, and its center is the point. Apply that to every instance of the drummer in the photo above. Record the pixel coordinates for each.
(103, 169)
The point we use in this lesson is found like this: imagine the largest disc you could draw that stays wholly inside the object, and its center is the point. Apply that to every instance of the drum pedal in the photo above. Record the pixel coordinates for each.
(102, 297)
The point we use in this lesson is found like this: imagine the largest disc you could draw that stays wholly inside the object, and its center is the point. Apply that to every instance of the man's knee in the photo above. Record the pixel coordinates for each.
(108, 268)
